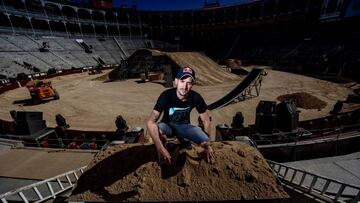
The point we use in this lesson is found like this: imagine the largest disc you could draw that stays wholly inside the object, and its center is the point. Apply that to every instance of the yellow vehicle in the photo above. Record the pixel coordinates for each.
(41, 90)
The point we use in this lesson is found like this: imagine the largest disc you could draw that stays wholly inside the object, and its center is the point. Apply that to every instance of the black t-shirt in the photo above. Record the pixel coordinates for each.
(177, 111)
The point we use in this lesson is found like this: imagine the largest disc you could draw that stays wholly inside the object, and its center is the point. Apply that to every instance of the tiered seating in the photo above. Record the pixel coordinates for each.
(106, 56)
(128, 46)
(85, 58)
(7, 46)
(68, 44)
(112, 48)
(69, 56)
(52, 60)
(23, 43)
(54, 45)
(9, 68)
(63, 53)
(35, 61)
(100, 50)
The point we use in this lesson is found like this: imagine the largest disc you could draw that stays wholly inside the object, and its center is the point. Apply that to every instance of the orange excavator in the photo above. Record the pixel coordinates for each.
(42, 90)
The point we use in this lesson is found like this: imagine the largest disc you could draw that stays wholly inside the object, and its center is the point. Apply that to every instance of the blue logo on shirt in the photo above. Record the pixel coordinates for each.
(179, 115)
(173, 109)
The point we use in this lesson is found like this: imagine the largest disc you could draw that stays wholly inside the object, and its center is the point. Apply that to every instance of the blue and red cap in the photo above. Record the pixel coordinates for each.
(186, 72)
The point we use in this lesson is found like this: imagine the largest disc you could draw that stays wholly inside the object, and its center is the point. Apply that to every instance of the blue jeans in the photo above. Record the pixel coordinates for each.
(184, 131)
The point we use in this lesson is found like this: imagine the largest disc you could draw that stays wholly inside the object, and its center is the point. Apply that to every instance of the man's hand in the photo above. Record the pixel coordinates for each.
(165, 154)
(209, 154)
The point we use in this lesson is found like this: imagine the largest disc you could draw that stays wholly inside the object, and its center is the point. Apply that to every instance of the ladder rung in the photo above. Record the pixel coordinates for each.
(278, 171)
(59, 182)
(293, 176)
(325, 187)
(286, 171)
(341, 190)
(23, 197)
(313, 183)
(302, 179)
(3, 200)
(76, 176)
(38, 193)
(68, 179)
(50, 188)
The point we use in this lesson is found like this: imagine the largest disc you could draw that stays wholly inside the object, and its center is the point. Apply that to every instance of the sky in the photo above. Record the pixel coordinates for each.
(170, 4)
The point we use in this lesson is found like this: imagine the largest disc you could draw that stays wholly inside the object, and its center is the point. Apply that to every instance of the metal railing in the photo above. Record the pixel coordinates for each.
(44, 190)
(316, 185)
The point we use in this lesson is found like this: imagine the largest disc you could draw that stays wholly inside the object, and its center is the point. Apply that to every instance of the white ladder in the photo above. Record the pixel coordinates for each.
(315, 185)
(44, 190)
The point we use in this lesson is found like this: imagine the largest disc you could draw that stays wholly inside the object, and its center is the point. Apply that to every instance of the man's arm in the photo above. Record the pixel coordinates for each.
(154, 134)
(209, 153)
(205, 119)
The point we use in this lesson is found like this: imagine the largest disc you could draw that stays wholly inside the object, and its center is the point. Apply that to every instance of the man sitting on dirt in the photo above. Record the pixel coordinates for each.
(177, 103)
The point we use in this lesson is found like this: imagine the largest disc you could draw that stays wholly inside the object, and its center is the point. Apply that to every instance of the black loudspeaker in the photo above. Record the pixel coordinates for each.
(29, 127)
(337, 107)
(223, 132)
(29, 115)
(265, 117)
(60, 121)
(287, 116)
(238, 120)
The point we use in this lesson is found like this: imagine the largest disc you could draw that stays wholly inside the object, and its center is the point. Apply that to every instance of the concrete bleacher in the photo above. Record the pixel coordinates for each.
(63, 53)
(113, 49)
(139, 43)
(85, 58)
(120, 44)
(106, 56)
(69, 56)
(27, 57)
(54, 45)
(94, 43)
(7, 46)
(53, 60)
(67, 44)
(161, 45)
(11, 69)
(23, 42)
(128, 46)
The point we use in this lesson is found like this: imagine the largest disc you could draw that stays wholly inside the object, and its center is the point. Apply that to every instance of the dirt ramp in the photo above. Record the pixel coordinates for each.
(207, 71)
(131, 173)
(150, 60)
(304, 100)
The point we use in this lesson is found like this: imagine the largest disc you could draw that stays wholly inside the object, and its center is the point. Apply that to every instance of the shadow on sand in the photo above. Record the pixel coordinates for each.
(121, 164)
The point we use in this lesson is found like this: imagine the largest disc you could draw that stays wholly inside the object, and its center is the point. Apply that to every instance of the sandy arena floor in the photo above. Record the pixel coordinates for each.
(93, 105)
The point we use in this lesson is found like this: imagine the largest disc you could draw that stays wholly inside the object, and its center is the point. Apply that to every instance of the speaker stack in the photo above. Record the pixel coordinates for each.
(29, 122)
(287, 116)
(265, 117)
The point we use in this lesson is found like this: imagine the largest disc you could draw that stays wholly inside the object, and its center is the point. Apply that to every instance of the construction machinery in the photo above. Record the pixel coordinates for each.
(95, 71)
(41, 90)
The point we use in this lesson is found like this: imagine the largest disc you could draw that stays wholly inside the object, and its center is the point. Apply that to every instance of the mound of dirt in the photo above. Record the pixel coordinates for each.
(131, 173)
(304, 100)
(208, 72)
(102, 77)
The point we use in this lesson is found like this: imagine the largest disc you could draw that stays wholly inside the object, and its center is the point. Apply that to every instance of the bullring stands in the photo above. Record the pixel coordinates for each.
(20, 53)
